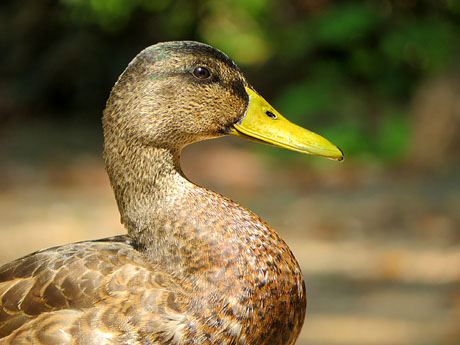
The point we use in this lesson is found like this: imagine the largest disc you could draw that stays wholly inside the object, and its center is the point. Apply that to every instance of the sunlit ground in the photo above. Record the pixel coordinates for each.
(380, 249)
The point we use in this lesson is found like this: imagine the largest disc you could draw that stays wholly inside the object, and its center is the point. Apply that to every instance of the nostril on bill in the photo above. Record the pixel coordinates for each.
(270, 114)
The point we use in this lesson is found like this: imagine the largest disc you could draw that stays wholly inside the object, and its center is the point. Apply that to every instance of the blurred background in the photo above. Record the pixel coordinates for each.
(377, 236)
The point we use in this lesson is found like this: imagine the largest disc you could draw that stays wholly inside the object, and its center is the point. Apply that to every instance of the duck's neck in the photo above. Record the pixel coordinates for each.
(168, 217)
(146, 182)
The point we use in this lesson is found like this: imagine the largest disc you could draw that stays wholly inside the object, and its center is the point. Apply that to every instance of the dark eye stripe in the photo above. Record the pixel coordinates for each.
(201, 72)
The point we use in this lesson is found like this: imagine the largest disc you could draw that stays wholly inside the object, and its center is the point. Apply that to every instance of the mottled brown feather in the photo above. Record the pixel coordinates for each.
(195, 267)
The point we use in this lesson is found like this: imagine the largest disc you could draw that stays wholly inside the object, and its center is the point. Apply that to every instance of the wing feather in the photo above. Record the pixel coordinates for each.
(96, 292)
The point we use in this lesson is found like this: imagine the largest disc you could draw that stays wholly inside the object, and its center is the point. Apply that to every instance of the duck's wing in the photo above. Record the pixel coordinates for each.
(97, 292)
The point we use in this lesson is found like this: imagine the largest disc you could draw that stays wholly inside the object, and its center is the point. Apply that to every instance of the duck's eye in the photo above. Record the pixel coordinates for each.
(201, 72)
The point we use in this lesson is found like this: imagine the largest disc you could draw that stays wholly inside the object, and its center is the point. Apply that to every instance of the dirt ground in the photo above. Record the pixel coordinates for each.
(379, 248)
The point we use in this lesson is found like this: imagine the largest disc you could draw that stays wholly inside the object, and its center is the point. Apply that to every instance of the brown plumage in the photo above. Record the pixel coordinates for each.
(195, 267)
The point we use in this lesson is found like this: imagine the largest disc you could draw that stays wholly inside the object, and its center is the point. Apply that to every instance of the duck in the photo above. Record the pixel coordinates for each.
(195, 267)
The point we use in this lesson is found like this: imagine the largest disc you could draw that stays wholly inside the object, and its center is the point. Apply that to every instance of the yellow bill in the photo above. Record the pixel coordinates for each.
(263, 123)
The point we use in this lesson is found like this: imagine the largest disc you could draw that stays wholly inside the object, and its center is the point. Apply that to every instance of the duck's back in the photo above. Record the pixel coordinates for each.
(95, 292)
(106, 292)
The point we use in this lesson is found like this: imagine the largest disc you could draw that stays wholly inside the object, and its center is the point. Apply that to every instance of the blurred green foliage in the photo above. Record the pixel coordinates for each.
(345, 68)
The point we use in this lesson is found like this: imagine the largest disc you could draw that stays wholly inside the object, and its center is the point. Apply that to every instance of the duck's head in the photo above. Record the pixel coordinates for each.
(176, 93)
